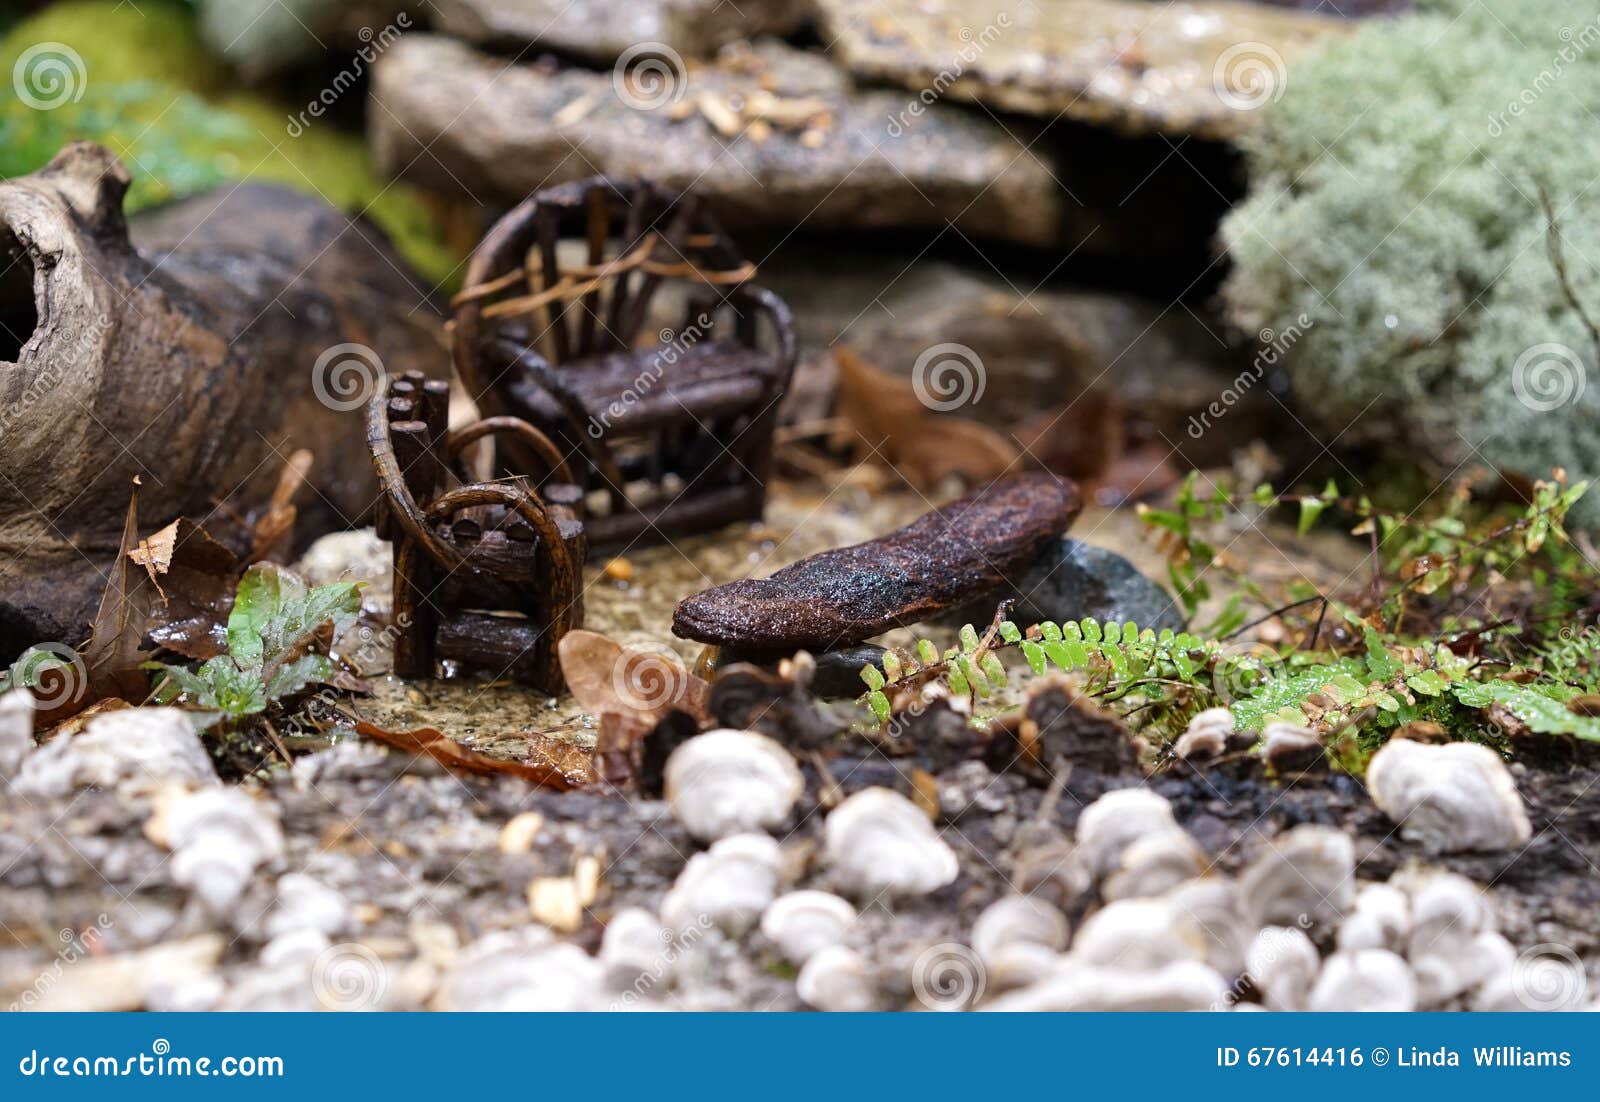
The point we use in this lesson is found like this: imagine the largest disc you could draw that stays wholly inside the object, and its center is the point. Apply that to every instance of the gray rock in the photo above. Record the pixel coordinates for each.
(1073, 580)
(603, 30)
(462, 121)
(262, 36)
(1039, 351)
(1192, 68)
(16, 731)
(135, 751)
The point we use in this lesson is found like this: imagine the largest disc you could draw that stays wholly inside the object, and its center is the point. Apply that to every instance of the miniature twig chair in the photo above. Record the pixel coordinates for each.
(675, 438)
(486, 574)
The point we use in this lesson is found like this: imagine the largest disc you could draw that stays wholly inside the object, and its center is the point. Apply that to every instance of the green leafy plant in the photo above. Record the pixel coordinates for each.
(277, 640)
(1453, 627)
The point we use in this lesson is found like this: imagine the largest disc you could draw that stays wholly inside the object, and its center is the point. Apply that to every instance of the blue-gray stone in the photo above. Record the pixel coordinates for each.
(1072, 580)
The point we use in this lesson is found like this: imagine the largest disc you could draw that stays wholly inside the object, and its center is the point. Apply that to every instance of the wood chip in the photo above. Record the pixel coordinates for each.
(518, 835)
(575, 111)
(723, 119)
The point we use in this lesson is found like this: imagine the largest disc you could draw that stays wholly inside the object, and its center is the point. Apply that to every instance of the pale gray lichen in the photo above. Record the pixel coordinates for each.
(1395, 248)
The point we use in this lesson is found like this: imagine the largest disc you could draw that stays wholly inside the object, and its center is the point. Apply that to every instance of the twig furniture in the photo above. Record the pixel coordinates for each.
(486, 574)
(675, 438)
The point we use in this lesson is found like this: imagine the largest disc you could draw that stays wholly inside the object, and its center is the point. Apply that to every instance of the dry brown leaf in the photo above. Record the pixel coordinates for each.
(155, 554)
(272, 533)
(554, 764)
(635, 682)
(883, 411)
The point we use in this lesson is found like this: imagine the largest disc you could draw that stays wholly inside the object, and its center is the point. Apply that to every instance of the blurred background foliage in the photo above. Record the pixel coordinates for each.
(176, 115)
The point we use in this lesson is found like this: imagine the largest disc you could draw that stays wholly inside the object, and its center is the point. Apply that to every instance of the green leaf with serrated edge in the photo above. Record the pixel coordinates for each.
(1010, 632)
(1051, 632)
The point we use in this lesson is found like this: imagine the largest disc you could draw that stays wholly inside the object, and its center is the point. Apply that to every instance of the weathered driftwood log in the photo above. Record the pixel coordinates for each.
(849, 594)
(228, 331)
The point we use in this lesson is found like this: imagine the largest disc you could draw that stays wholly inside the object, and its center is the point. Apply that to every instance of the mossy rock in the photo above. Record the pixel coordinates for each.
(1395, 204)
(151, 94)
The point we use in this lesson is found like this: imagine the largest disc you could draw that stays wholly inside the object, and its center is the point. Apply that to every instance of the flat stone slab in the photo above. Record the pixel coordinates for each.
(1184, 68)
(604, 30)
(797, 145)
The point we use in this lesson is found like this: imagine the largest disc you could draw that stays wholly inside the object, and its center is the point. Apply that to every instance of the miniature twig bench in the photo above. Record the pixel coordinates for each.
(486, 574)
(675, 438)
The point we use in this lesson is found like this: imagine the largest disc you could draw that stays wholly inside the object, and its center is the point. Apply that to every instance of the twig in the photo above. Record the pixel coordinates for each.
(1258, 621)
(1553, 238)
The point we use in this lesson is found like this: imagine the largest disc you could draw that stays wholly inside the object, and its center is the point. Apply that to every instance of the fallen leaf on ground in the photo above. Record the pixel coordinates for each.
(554, 764)
(271, 534)
(883, 413)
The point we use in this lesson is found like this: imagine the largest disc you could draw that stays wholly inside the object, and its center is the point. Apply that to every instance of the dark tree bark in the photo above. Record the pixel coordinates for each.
(195, 354)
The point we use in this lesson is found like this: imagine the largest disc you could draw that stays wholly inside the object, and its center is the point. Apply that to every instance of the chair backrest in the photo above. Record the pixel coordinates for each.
(522, 283)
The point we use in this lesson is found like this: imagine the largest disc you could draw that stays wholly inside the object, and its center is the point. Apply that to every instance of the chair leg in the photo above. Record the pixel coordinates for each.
(414, 617)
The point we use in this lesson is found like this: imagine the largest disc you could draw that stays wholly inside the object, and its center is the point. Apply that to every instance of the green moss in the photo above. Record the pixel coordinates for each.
(1395, 202)
(152, 95)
